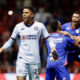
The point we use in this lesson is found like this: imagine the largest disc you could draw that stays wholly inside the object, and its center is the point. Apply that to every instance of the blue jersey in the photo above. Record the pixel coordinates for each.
(75, 32)
(69, 28)
(61, 43)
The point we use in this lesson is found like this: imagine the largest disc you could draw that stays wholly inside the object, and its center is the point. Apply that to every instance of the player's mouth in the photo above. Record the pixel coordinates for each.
(74, 21)
(24, 18)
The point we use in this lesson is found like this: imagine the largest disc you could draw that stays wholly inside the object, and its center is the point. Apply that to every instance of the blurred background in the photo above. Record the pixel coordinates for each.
(45, 10)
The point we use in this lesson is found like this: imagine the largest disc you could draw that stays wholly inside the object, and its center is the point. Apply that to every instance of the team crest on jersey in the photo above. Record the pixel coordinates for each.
(35, 28)
(77, 31)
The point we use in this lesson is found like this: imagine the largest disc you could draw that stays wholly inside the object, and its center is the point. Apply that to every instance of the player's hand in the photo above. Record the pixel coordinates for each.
(64, 32)
(54, 55)
(77, 39)
(1, 50)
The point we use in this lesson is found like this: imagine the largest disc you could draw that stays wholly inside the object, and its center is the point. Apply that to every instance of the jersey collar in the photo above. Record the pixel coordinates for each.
(72, 26)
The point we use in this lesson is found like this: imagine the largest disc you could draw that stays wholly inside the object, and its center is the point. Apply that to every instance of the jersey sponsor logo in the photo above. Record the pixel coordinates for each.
(25, 37)
(35, 28)
(60, 40)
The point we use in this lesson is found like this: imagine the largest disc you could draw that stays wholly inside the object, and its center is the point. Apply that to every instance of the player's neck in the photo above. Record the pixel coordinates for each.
(29, 23)
(75, 25)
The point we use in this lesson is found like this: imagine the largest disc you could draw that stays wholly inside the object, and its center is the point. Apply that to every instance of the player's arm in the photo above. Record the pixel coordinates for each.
(74, 40)
(77, 45)
(7, 45)
(10, 41)
(77, 42)
(50, 42)
(53, 49)
(66, 33)
(78, 39)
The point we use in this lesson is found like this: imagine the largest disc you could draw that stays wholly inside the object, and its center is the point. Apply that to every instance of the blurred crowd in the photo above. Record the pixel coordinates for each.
(45, 11)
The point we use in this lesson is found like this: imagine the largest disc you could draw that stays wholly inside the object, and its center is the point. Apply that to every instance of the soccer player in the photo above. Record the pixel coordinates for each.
(56, 62)
(29, 32)
(74, 29)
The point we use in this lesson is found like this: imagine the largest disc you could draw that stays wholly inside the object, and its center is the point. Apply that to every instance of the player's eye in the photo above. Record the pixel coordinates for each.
(26, 12)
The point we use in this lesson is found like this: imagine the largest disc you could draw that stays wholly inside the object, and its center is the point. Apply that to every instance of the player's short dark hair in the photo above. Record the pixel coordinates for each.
(30, 8)
(54, 25)
(77, 12)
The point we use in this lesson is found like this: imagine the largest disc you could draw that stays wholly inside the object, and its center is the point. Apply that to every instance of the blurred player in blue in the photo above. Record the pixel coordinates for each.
(29, 32)
(74, 29)
(57, 61)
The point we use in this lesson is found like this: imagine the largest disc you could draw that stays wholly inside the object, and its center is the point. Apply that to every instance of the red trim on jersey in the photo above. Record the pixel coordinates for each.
(72, 27)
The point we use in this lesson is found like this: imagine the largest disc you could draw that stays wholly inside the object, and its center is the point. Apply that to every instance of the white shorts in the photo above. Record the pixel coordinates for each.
(24, 69)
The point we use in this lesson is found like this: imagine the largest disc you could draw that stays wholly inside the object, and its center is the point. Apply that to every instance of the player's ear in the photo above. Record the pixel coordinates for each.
(59, 26)
(32, 15)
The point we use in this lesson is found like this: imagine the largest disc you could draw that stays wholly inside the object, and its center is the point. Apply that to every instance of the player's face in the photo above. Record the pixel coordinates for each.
(27, 15)
(76, 19)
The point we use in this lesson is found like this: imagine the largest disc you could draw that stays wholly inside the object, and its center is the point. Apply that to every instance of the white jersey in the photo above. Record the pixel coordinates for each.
(29, 41)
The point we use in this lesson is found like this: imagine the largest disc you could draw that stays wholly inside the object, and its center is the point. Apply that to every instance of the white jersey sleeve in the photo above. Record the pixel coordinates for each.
(11, 40)
(8, 44)
(15, 33)
(45, 33)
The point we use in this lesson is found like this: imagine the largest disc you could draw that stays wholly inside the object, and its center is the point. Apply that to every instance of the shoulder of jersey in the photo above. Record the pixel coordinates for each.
(19, 24)
(67, 23)
(37, 22)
